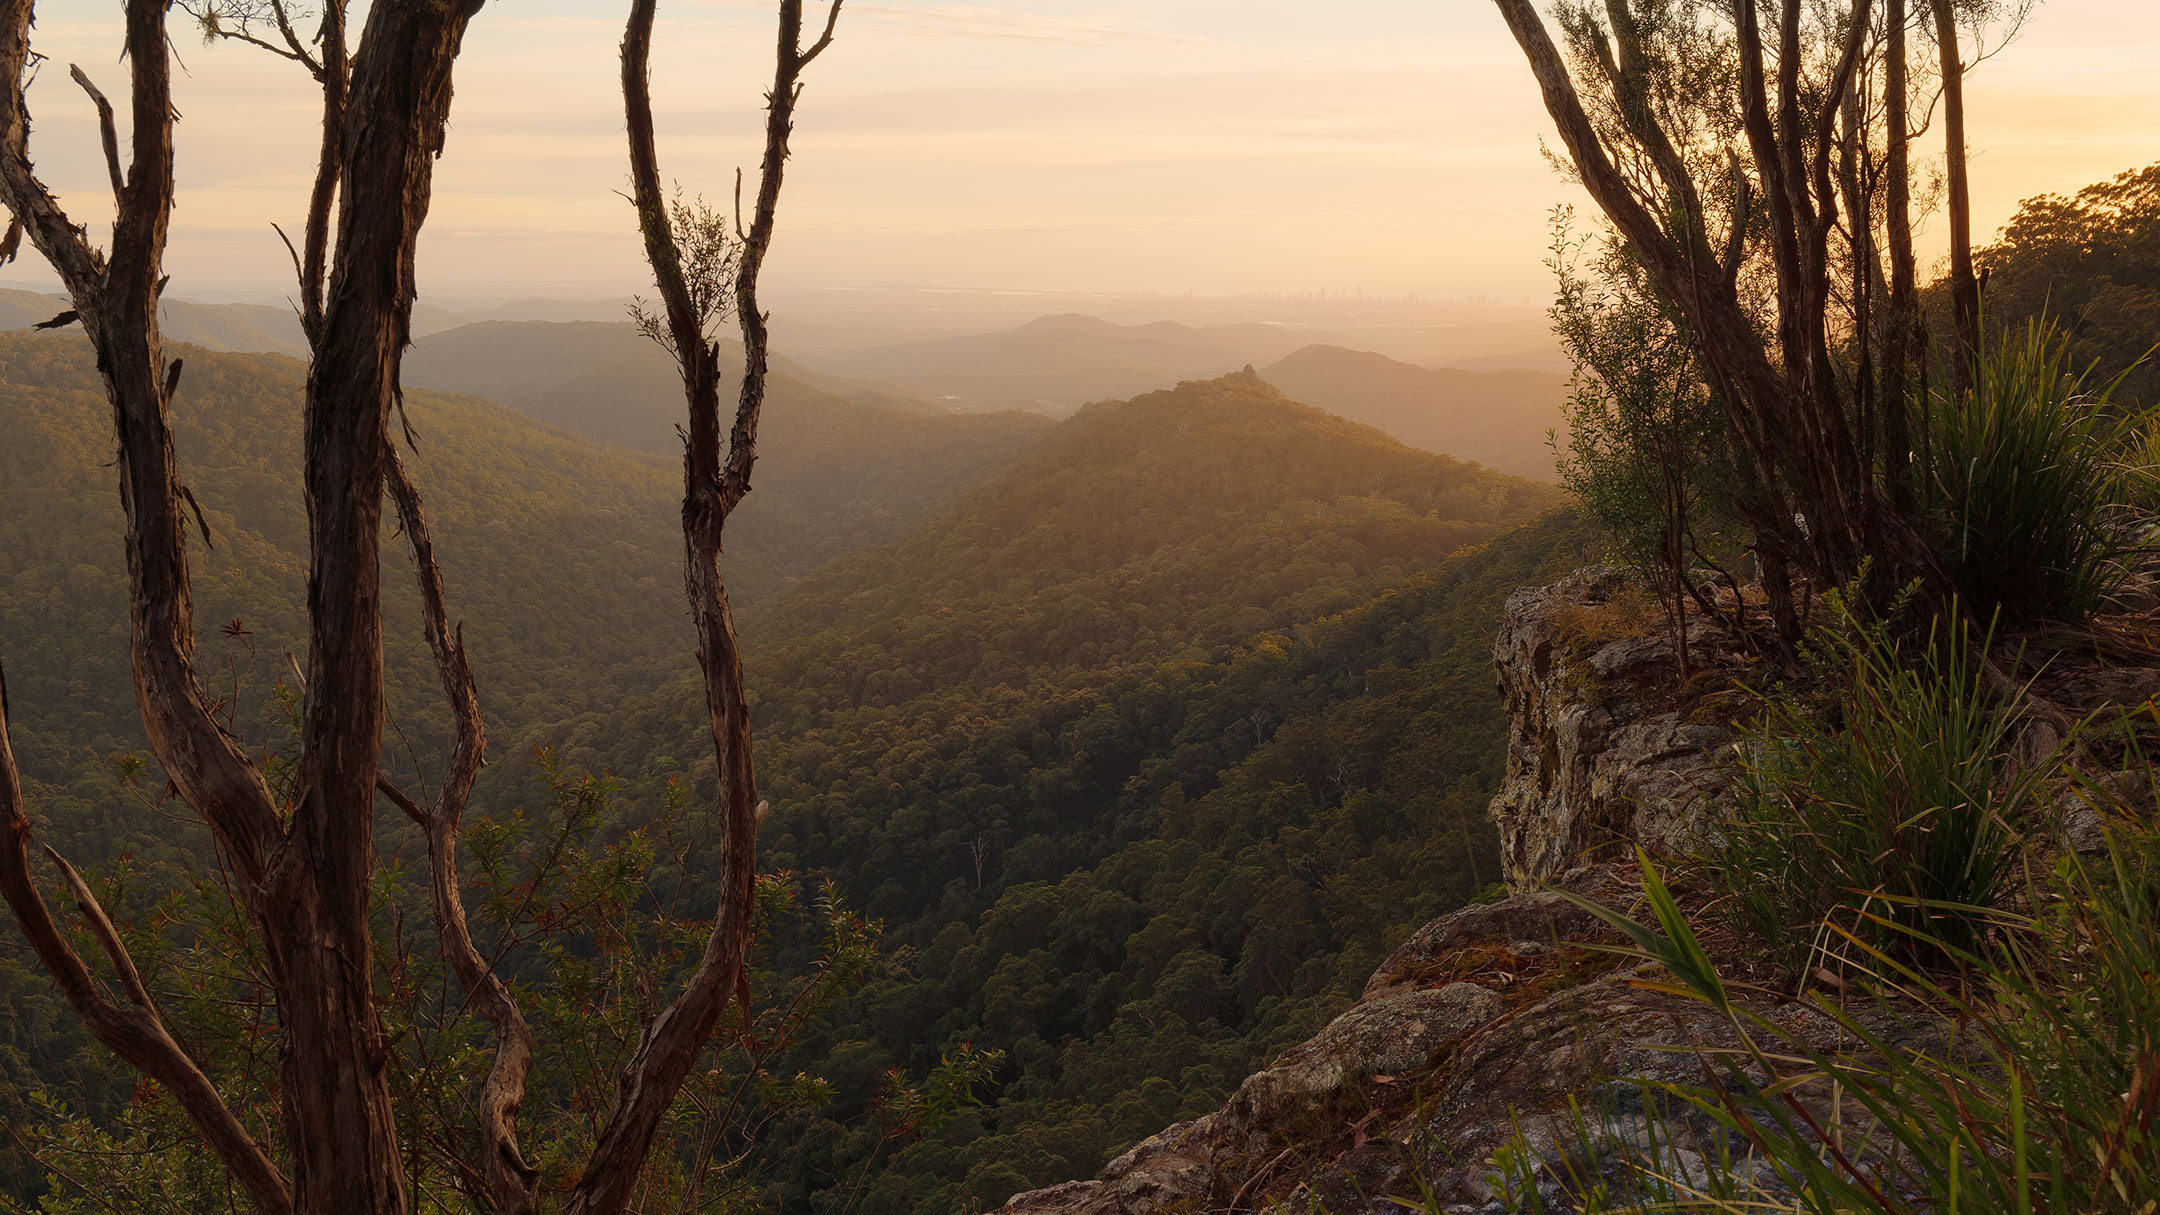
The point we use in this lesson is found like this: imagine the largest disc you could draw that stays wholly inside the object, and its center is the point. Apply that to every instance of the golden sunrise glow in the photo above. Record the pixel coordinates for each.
(1218, 147)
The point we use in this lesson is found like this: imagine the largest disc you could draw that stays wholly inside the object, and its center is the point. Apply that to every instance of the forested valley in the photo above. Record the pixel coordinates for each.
(1142, 747)
(1105, 756)
(520, 758)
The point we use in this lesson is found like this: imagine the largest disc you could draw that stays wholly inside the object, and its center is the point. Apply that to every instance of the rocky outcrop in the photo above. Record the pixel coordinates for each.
(1606, 742)
(1488, 1021)
(1359, 1077)
(1495, 1026)
(1502, 1047)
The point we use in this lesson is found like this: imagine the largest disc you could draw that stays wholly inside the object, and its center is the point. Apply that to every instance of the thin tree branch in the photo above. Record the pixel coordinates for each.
(334, 73)
(674, 1038)
(292, 39)
(403, 801)
(832, 18)
(106, 131)
(101, 927)
(510, 1180)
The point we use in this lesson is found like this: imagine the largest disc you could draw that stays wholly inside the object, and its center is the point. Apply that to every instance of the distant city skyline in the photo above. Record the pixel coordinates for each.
(1220, 147)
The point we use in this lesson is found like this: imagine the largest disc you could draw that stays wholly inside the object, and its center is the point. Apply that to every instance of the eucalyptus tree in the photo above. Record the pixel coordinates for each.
(1755, 160)
(300, 847)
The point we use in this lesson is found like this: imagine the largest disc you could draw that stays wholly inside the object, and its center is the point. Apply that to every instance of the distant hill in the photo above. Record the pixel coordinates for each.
(1205, 511)
(604, 380)
(1498, 418)
(562, 558)
(1054, 364)
(236, 328)
(840, 473)
(225, 327)
(1145, 750)
(1511, 343)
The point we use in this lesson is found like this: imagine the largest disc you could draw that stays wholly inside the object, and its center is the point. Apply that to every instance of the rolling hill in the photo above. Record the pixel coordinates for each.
(236, 328)
(1144, 751)
(562, 558)
(835, 473)
(1498, 418)
(1142, 746)
(1054, 364)
(563, 555)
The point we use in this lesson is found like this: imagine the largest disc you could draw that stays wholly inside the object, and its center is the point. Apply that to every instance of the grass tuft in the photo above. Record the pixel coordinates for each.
(2030, 495)
(1900, 812)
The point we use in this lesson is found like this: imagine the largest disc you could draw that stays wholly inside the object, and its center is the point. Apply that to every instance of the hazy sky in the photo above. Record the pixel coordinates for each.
(1216, 146)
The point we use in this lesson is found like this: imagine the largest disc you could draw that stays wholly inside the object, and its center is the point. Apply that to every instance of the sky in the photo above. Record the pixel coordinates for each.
(1215, 147)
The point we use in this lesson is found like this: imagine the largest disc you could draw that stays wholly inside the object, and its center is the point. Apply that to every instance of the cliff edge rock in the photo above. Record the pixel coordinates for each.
(1499, 1018)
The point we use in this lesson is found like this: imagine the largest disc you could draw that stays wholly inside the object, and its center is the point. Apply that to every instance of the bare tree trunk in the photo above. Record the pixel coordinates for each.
(1854, 181)
(1818, 508)
(116, 300)
(336, 1095)
(306, 887)
(1964, 288)
(1903, 343)
(712, 487)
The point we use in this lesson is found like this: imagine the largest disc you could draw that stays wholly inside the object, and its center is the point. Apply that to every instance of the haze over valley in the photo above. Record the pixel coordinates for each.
(1048, 607)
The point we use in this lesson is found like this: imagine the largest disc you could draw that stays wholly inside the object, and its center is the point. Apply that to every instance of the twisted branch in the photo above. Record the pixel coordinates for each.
(510, 1181)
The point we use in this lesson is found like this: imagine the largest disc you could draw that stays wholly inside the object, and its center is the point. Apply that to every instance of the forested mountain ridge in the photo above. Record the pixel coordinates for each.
(1501, 419)
(1217, 497)
(1188, 710)
(1152, 884)
(1139, 747)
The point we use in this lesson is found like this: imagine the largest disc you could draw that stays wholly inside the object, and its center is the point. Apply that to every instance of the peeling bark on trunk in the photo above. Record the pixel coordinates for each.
(306, 887)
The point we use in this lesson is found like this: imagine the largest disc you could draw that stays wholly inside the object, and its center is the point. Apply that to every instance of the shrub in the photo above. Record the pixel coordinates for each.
(1900, 802)
(2044, 1097)
(2029, 492)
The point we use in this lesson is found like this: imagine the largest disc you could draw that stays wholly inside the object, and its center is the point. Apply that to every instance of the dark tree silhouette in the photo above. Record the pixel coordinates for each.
(303, 864)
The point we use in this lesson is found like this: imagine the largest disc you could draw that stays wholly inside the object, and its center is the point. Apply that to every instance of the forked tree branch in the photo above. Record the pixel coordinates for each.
(134, 1032)
(116, 301)
(790, 59)
(672, 1041)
